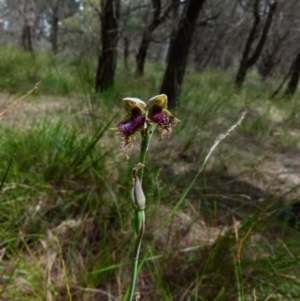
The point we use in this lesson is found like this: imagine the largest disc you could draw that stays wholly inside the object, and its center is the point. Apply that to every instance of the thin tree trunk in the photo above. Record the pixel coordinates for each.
(141, 56)
(281, 85)
(178, 51)
(126, 51)
(241, 74)
(54, 27)
(247, 61)
(165, 52)
(107, 61)
(294, 79)
(28, 27)
(27, 38)
(146, 39)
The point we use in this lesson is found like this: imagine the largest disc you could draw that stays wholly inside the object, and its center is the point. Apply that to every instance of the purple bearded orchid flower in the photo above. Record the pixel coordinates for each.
(159, 115)
(133, 122)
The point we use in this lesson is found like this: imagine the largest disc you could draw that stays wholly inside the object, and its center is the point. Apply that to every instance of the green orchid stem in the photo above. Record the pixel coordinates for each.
(139, 224)
(146, 138)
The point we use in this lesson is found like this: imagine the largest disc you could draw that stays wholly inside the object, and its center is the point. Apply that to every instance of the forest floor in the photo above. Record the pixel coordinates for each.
(253, 166)
(270, 164)
(251, 177)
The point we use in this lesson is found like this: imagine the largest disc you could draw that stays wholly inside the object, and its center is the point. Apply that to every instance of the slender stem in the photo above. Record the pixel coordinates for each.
(146, 138)
(140, 215)
(139, 224)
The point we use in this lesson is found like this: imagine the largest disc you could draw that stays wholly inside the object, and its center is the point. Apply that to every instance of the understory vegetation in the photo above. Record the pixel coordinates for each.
(65, 209)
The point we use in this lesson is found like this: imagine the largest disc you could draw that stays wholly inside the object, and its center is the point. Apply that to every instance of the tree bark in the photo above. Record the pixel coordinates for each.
(247, 61)
(54, 27)
(126, 51)
(178, 51)
(107, 60)
(294, 79)
(28, 27)
(141, 55)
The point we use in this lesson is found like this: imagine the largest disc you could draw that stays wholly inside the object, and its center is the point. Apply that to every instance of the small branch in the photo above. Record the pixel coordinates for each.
(272, 10)
(206, 21)
(274, 94)
(95, 8)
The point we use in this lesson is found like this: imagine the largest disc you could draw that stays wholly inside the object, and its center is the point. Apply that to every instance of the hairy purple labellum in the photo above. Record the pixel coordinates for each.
(159, 118)
(132, 125)
(163, 119)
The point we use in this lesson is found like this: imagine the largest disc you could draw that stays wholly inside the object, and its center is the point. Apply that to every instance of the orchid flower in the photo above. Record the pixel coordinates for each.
(140, 116)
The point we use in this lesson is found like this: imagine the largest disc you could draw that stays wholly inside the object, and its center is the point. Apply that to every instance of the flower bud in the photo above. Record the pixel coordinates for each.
(138, 193)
